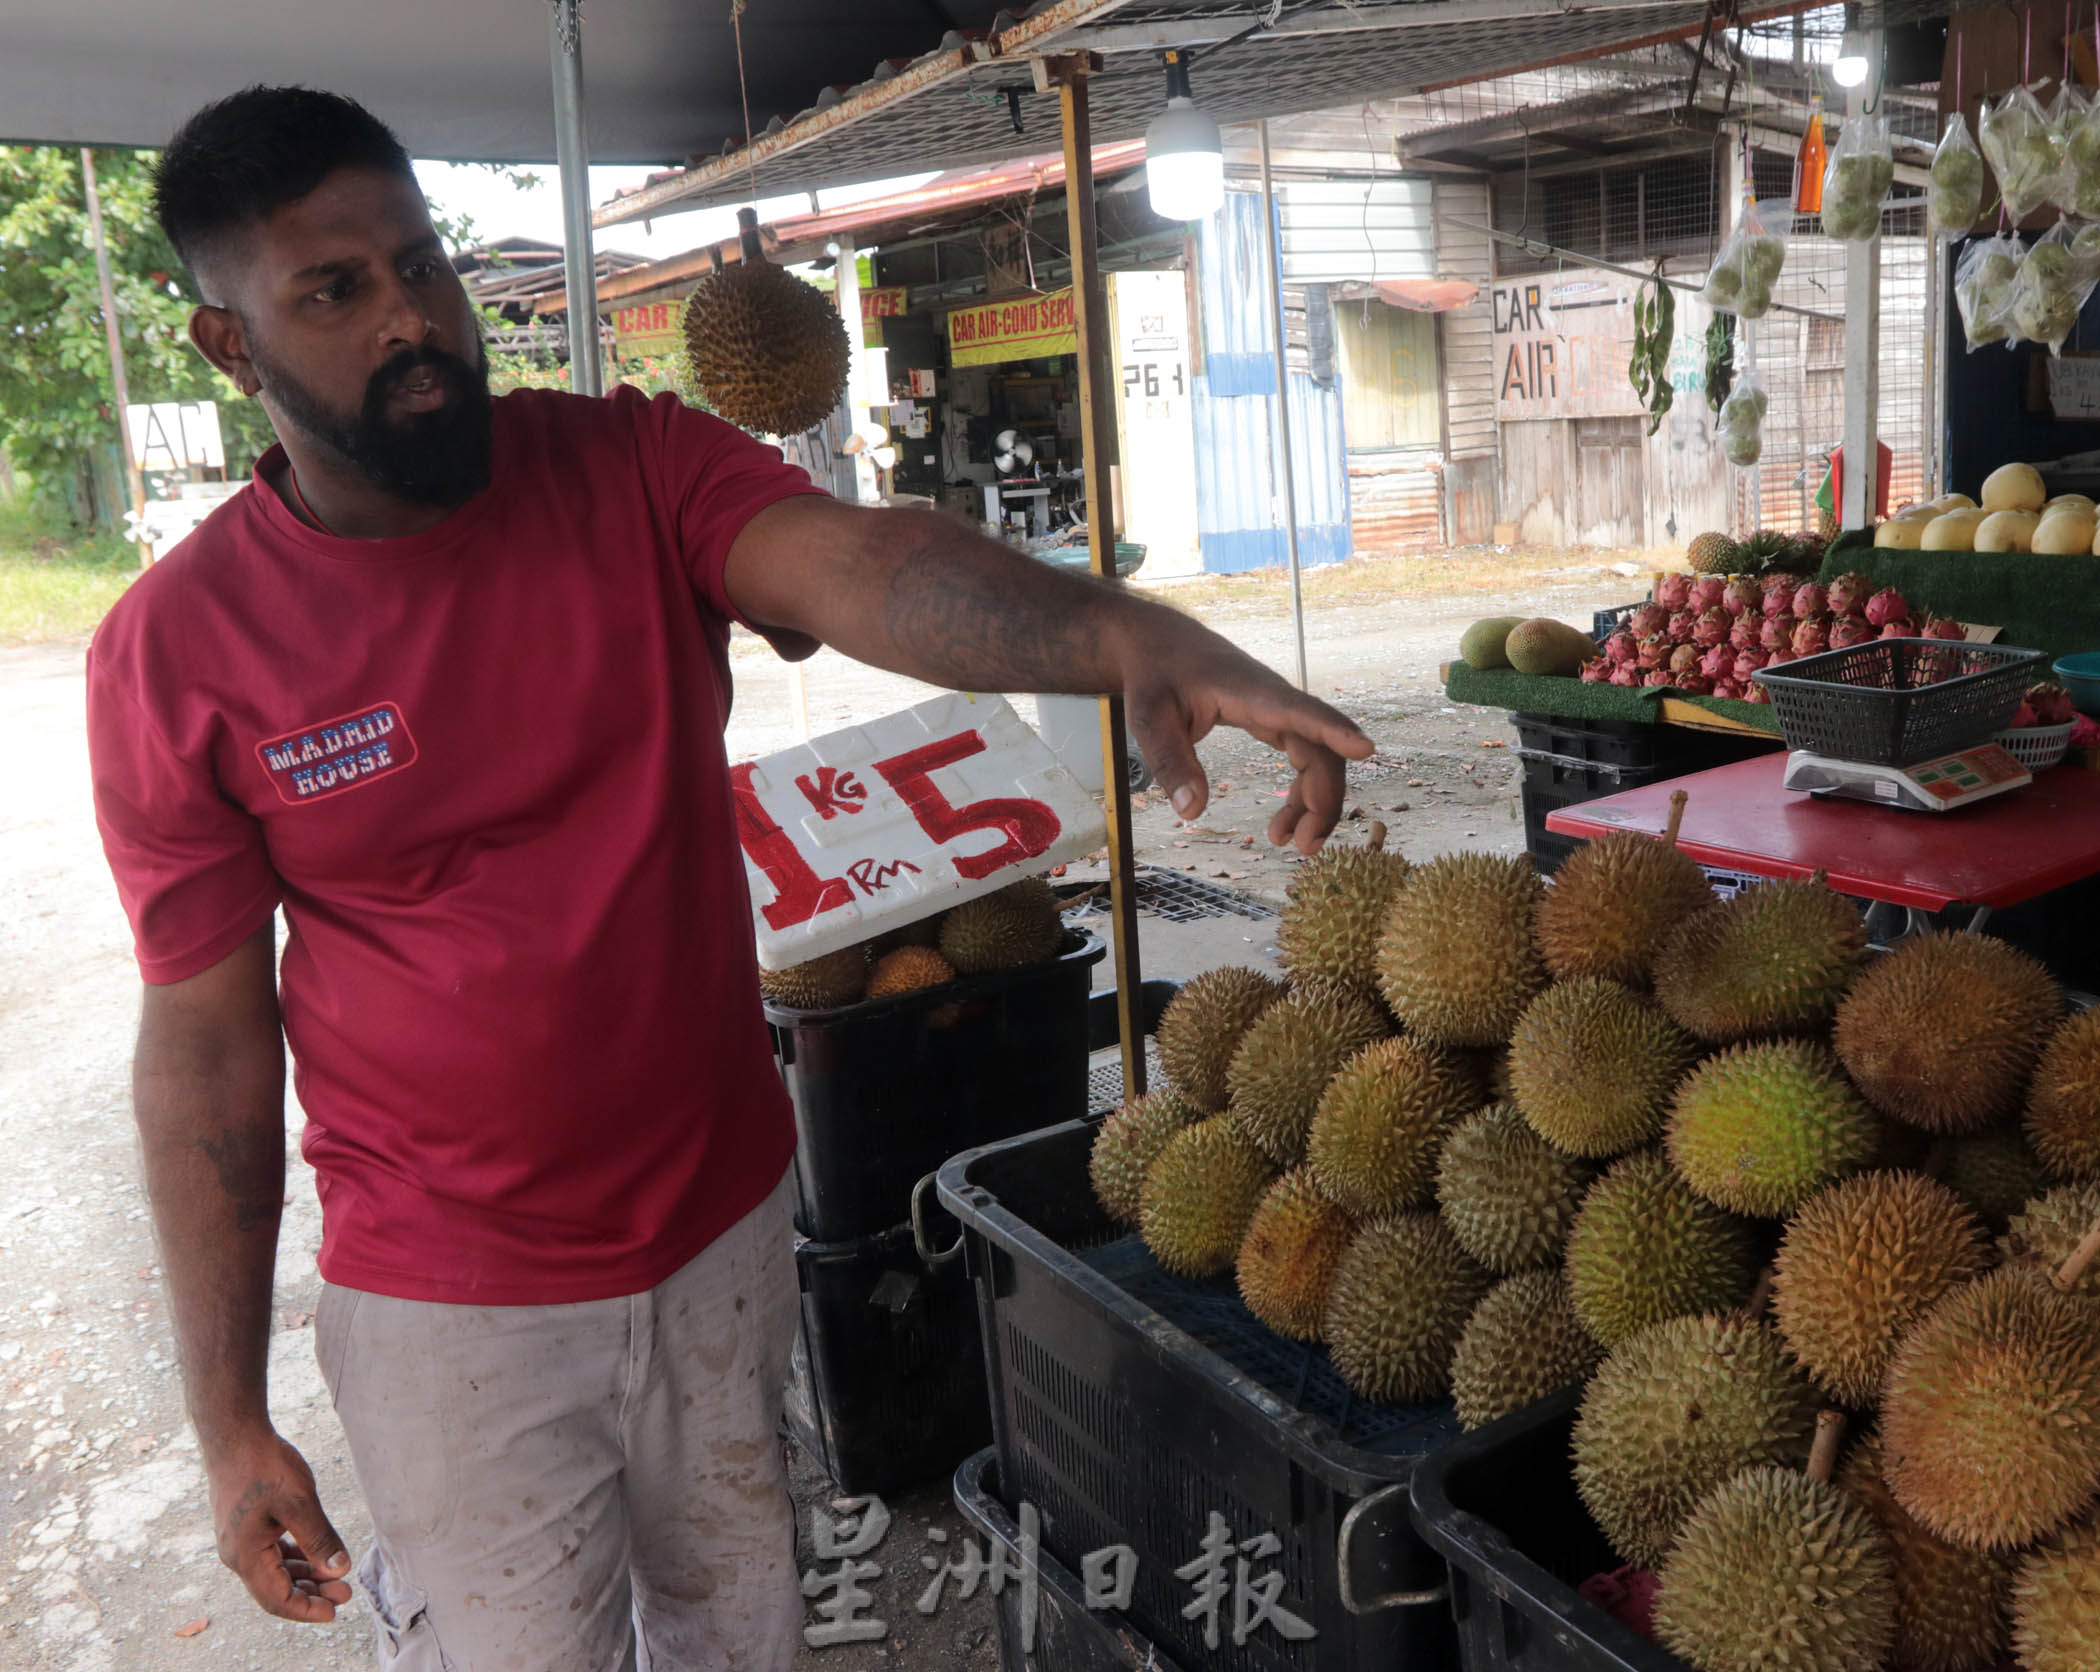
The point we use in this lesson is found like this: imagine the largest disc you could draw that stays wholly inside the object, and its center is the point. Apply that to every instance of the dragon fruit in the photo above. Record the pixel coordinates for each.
(1621, 647)
(2023, 717)
(1748, 663)
(1626, 673)
(1729, 688)
(1811, 635)
(1757, 693)
(1680, 626)
(1784, 653)
(1712, 627)
(1885, 606)
(1660, 676)
(1848, 594)
(1684, 659)
(1944, 627)
(1596, 671)
(1673, 592)
(1653, 652)
(1743, 597)
(1719, 662)
(1810, 599)
(1649, 618)
(2051, 704)
(1707, 591)
(1744, 634)
(1849, 630)
(1695, 685)
(1776, 634)
(1897, 630)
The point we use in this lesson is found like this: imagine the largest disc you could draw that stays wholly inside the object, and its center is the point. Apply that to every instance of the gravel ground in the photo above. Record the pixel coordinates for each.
(106, 1559)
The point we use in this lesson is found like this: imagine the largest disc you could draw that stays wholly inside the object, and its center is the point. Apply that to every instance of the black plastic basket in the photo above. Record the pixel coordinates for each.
(1069, 1637)
(1501, 1506)
(1129, 1404)
(1896, 702)
(886, 1090)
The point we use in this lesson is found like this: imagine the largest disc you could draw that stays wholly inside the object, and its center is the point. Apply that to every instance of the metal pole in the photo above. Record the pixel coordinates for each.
(572, 156)
(1282, 454)
(133, 476)
(858, 396)
(1097, 428)
(1862, 338)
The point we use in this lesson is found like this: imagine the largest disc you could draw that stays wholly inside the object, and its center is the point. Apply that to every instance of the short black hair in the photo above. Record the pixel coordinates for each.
(242, 158)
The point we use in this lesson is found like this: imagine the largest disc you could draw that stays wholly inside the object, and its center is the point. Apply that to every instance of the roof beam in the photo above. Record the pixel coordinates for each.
(1346, 20)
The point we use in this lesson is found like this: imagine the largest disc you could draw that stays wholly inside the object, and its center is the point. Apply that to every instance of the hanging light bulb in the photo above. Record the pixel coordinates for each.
(1851, 67)
(1184, 153)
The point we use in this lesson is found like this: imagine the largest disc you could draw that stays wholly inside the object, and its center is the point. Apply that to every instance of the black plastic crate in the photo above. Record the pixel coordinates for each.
(1899, 701)
(886, 1386)
(1604, 623)
(1501, 1506)
(1069, 1637)
(1626, 744)
(1128, 1405)
(887, 1090)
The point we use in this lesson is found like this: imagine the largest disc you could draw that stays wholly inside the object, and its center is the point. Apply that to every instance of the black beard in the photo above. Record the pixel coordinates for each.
(438, 458)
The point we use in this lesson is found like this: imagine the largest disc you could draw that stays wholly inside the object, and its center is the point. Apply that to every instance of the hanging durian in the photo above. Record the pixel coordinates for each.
(767, 351)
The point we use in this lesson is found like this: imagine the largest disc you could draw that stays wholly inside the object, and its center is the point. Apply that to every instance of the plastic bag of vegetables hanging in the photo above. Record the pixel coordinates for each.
(1858, 176)
(1983, 288)
(1956, 198)
(1741, 278)
(2049, 290)
(2022, 150)
(1742, 422)
(2078, 180)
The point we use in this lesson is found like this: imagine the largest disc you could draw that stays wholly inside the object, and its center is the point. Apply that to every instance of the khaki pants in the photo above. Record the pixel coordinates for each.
(595, 1487)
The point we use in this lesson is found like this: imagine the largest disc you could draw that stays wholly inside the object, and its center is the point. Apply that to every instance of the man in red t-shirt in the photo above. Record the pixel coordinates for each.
(447, 683)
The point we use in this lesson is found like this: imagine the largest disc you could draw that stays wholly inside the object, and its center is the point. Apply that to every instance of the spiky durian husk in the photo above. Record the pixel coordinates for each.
(2063, 1100)
(1997, 1173)
(1593, 1065)
(1287, 1261)
(1950, 1602)
(1336, 906)
(1775, 1572)
(906, 970)
(1944, 1031)
(1990, 1416)
(1129, 1141)
(1645, 1248)
(1859, 1263)
(1203, 1025)
(1613, 904)
(1199, 1194)
(2056, 1603)
(2043, 1234)
(1758, 1129)
(1286, 1058)
(1018, 924)
(824, 983)
(767, 351)
(1523, 1342)
(1457, 959)
(1677, 1411)
(1508, 1195)
(1378, 1126)
(1400, 1301)
(1775, 959)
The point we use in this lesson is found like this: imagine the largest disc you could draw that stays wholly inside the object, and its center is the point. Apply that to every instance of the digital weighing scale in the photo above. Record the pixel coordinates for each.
(1934, 786)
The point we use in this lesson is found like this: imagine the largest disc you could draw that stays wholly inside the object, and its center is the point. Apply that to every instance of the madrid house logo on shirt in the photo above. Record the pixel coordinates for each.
(314, 762)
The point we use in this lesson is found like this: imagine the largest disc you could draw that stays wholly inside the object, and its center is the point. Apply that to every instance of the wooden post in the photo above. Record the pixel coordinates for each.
(1862, 340)
(133, 476)
(1097, 428)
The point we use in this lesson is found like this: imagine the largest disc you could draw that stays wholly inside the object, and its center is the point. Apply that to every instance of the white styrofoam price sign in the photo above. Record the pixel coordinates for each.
(879, 825)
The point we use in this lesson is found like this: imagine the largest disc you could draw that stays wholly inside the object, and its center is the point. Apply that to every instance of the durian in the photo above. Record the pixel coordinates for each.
(1615, 900)
(1674, 1413)
(1943, 1032)
(1644, 1248)
(1203, 1025)
(1336, 905)
(1401, 1299)
(2056, 1603)
(1522, 1343)
(1775, 959)
(1199, 1194)
(1375, 1135)
(1288, 1055)
(1129, 1141)
(2048, 1230)
(1457, 961)
(1776, 1570)
(1288, 1258)
(906, 970)
(1990, 1416)
(1760, 1128)
(1995, 1172)
(1859, 1263)
(1508, 1195)
(1950, 1602)
(2063, 1101)
(1018, 924)
(767, 351)
(838, 978)
(1592, 1066)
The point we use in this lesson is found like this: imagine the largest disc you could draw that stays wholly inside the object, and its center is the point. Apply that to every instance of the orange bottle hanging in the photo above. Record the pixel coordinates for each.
(1809, 162)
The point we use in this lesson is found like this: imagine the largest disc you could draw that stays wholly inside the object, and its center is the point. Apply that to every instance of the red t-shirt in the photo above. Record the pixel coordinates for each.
(482, 769)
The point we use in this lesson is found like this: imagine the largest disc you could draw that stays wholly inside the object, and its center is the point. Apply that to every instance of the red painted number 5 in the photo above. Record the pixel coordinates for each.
(1030, 826)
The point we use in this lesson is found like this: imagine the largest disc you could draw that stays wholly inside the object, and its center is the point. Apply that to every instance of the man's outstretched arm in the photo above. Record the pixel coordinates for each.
(208, 1087)
(918, 594)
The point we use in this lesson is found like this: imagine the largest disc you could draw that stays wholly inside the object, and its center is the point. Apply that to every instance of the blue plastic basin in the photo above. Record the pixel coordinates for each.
(2080, 675)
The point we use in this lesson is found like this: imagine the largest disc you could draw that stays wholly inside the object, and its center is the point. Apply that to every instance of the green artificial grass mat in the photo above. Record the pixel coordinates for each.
(1572, 699)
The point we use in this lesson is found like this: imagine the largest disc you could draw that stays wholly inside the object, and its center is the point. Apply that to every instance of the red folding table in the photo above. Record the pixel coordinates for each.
(1996, 853)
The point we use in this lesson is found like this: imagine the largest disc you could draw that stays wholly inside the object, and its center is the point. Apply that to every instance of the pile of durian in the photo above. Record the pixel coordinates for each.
(1014, 926)
(1492, 1137)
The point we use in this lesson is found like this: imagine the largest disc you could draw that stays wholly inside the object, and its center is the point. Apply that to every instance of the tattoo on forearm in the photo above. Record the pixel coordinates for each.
(251, 1172)
(981, 627)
